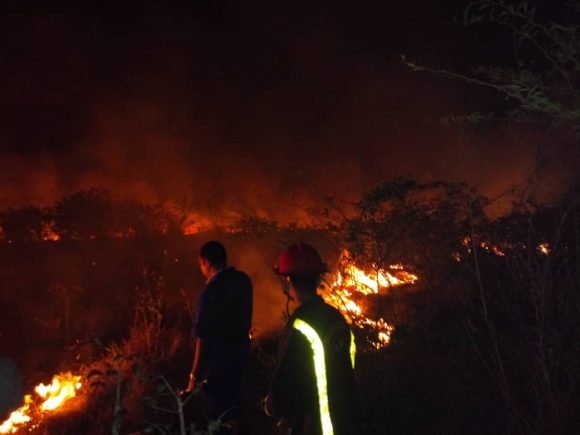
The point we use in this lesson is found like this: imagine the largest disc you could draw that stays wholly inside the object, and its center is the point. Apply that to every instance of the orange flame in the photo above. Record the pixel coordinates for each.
(353, 281)
(63, 388)
(18, 418)
(371, 283)
(49, 398)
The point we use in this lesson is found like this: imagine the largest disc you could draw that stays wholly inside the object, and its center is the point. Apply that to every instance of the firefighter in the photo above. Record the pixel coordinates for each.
(313, 388)
(221, 334)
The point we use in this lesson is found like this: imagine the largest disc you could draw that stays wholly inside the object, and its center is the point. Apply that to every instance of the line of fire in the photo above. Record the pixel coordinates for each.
(226, 217)
(109, 312)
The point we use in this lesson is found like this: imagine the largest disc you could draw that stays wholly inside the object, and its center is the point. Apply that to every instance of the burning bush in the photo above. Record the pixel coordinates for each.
(351, 293)
(459, 298)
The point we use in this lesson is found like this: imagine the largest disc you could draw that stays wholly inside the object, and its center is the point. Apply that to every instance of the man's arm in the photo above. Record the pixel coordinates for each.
(198, 366)
(202, 326)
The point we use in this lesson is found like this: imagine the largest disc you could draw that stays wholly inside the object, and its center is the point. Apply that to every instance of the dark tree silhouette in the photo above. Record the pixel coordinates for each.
(87, 214)
(23, 224)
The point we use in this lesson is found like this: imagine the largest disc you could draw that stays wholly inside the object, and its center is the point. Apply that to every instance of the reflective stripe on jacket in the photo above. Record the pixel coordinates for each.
(313, 387)
(319, 359)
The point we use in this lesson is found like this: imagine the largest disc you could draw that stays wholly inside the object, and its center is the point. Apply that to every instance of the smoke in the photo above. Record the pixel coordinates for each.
(257, 260)
(257, 257)
(235, 110)
(27, 181)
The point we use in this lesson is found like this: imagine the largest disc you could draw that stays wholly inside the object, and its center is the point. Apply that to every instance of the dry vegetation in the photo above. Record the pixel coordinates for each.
(486, 341)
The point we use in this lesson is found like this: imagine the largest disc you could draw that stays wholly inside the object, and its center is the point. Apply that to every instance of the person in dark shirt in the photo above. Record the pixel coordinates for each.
(222, 333)
(312, 391)
(11, 387)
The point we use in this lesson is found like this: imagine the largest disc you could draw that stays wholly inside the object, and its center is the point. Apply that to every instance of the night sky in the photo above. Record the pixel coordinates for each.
(243, 108)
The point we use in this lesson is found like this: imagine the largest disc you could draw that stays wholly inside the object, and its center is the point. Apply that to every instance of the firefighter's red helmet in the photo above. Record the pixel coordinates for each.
(300, 259)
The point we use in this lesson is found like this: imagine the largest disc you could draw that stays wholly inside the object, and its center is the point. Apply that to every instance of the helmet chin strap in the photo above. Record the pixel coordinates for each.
(288, 299)
(286, 290)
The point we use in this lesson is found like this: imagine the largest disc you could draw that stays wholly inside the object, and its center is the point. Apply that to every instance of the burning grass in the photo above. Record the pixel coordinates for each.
(54, 397)
(507, 288)
(349, 294)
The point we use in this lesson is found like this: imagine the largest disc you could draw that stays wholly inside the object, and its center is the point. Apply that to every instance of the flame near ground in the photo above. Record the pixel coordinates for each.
(347, 293)
(47, 399)
(353, 283)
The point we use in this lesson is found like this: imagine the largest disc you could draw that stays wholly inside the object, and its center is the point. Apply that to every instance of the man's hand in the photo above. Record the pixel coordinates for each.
(198, 363)
(268, 406)
(191, 384)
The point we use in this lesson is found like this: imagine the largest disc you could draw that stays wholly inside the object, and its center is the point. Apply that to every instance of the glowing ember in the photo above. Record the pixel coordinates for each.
(492, 248)
(353, 283)
(195, 223)
(191, 229)
(485, 246)
(49, 233)
(49, 398)
(544, 248)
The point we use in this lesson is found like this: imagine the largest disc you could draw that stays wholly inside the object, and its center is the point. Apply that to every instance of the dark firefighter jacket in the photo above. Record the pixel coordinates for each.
(316, 354)
(223, 321)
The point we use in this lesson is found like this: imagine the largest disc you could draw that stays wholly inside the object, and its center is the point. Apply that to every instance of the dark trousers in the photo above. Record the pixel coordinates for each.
(222, 390)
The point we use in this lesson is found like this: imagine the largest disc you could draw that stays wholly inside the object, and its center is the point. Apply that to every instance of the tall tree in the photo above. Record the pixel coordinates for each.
(543, 81)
